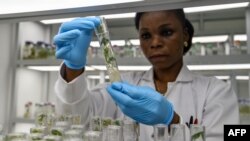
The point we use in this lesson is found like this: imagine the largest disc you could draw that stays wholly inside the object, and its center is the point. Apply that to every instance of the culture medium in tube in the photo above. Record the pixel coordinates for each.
(103, 36)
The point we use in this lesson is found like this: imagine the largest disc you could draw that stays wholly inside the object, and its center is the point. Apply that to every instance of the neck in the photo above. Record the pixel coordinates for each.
(165, 75)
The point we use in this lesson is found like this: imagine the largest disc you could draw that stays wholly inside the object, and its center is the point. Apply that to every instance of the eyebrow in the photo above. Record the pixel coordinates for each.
(165, 25)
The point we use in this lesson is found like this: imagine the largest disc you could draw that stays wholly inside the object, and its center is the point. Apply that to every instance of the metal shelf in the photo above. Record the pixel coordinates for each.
(145, 5)
(130, 61)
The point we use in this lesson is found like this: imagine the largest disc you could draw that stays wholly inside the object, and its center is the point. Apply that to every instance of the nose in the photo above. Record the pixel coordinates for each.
(156, 42)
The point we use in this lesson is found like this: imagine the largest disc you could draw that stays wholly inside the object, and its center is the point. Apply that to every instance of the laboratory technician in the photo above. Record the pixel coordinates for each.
(168, 93)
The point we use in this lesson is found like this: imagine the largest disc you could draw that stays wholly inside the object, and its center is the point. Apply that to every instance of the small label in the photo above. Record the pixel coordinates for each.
(236, 132)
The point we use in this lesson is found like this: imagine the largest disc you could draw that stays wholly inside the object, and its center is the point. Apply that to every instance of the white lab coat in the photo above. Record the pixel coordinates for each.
(211, 101)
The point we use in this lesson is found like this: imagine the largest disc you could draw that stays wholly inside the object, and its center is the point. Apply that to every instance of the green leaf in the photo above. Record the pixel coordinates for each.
(197, 135)
(56, 133)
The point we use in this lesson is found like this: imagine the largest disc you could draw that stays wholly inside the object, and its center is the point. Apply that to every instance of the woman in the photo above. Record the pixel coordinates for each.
(168, 93)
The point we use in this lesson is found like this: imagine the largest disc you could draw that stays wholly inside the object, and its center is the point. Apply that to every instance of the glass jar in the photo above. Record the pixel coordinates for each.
(177, 132)
(40, 129)
(16, 137)
(52, 138)
(78, 127)
(197, 132)
(27, 50)
(117, 122)
(161, 132)
(105, 122)
(51, 117)
(93, 136)
(2, 137)
(57, 131)
(36, 136)
(40, 115)
(95, 124)
(73, 135)
(65, 125)
(129, 130)
(114, 133)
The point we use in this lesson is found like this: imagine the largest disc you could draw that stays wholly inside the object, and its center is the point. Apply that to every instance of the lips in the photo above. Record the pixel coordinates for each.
(158, 57)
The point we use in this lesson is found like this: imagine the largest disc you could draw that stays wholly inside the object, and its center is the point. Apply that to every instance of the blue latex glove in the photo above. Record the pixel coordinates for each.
(142, 104)
(73, 41)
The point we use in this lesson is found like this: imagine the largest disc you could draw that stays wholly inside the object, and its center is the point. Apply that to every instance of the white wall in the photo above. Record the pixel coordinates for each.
(7, 47)
(51, 92)
(30, 86)
(33, 31)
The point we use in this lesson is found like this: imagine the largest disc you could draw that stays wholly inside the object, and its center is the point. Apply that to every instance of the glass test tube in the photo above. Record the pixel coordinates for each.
(177, 132)
(161, 133)
(16, 137)
(114, 133)
(73, 135)
(197, 132)
(130, 132)
(103, 36)
(93, 136)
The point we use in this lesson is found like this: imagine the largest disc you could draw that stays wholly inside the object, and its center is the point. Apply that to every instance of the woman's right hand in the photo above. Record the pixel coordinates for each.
(73, 40)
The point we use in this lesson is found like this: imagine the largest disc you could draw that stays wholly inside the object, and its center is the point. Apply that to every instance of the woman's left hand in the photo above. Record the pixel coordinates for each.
(141, 103)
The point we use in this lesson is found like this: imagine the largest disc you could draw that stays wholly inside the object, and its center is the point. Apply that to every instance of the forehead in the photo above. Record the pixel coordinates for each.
(159, 17)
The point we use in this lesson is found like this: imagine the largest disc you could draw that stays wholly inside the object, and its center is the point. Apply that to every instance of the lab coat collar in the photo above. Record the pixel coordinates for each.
(185, 75)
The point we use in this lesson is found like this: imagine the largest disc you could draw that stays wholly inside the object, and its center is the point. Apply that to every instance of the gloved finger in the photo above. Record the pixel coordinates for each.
(63, 52)
(128, 89)
(119, 97)
(80, 24)
(62, 38)
(94, 19)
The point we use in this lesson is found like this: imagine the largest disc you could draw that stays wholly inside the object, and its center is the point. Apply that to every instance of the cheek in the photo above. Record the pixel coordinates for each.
(144, 48)
(177, 45)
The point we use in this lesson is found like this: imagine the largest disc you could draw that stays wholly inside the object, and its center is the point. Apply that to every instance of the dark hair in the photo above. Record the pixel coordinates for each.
(185, 22)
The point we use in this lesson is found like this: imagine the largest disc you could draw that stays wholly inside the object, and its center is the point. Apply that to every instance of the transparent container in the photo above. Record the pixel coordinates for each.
(130, 132)
(2, 137)
(197, 132)
(105, 122)
(57, 131)
(52, 138)
(51, 117)
(1, 129)
(177, 132)
(16, 137)
(95, 124)
(76, 119)
(114, 133)
(40, 115)
(36, 136)
(103, 36)
(73, 135)
(81, 128)
(161, 132)
(27, 50)
(62, 124)
(118, 122)
(92, 136)
(40, 129)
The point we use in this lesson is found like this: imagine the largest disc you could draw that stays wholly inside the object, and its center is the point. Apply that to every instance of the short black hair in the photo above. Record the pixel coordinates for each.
(181, 16)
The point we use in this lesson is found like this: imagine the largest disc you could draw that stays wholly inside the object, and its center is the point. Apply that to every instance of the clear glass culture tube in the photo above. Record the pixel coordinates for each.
(102, 33)
(197, 132)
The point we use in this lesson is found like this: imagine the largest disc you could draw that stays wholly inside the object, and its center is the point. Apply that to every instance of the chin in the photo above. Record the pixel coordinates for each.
(161, 66)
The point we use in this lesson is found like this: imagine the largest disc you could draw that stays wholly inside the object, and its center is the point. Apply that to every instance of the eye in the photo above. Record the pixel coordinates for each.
(145, 35)
(166, 32)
